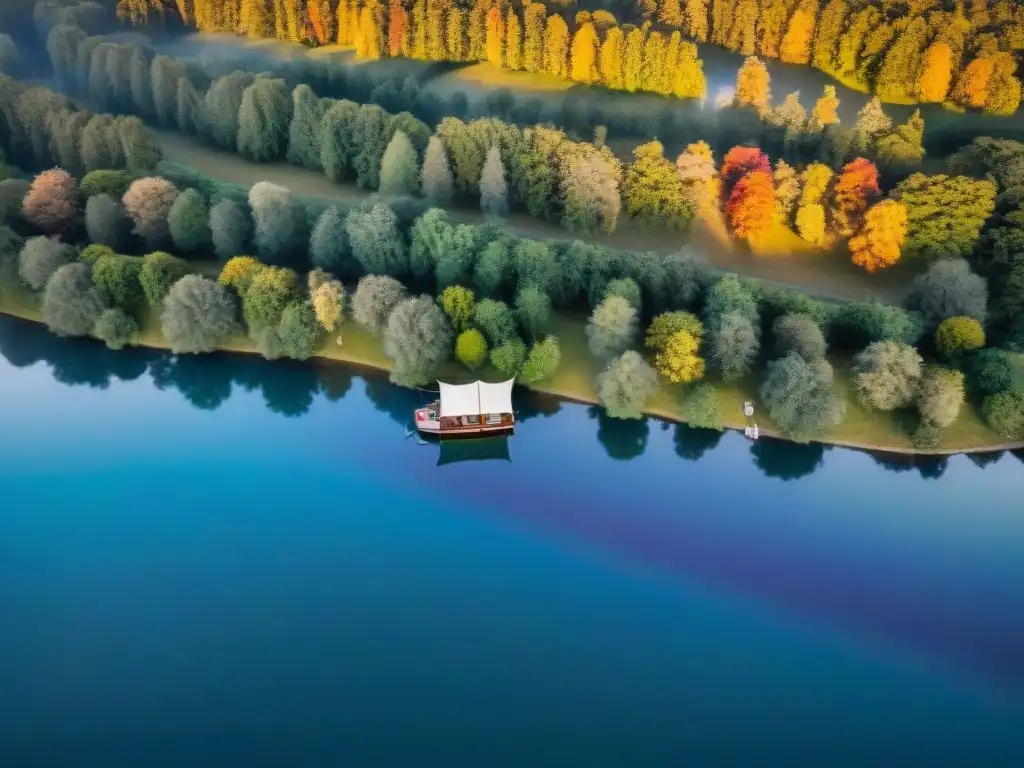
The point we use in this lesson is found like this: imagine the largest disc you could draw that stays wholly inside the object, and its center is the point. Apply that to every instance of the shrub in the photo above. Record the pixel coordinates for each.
(419, 339)
(270, 291)
(887, 375)
(117, 280)
(799, 334)
(42, 256)
(159, 272)
(541, 363)
(496, 320)
(71, 305)
(625, 384)
(230, 229)
(458, 303)
(508, 358)
(189, 221)
(105, 182)
(940, 395)
(471, 349)
(116, 328)
(956, 335)
(612, 328)
(927, 436)
(105, 221)
(148, 201)
(298, 330)
(1004, 412)
(799, 396)
(679, 360)
(198, 314)
(375, 298)
(51, 201)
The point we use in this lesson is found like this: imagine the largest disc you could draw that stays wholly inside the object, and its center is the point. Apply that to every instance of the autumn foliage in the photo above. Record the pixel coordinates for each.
(936, 73)
(880, 239)
(854, 191)
(751, 205)
(50, 201)
(738, 162)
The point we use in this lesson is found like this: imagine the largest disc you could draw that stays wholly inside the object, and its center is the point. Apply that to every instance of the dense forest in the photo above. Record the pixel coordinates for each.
(919, 51)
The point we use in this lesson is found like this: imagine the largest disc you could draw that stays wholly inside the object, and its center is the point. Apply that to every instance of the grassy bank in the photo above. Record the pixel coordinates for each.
(575, 381)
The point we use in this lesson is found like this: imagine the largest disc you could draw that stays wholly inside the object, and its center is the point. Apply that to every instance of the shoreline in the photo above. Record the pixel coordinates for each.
(562, 393)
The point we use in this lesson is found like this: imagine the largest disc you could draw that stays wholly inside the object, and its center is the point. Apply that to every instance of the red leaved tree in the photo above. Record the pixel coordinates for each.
(855, 190)
(751, 206)
(738, 162)
(51, 201)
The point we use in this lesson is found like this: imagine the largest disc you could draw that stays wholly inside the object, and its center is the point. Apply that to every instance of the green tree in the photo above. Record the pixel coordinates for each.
(533, 308)
(667, 324)
(71, 306)
(418, 339)
(957, 335)
(198, 314)
(612, 328)
(945, 214)
(40, 258)
(507, 358)
(799, 396)
(116, 328)
(230, 229)
(375, 298)
(471, 349)
(887, 375)
(948, 289)
(337, 141)
(734, 345)
(298, 330)
(117, 280)
(188, 221)
(458, 303)
(652, 191)
(940, 395)
(437, 183)
(625, 385)
(105, 221)
(158, 273)
(280, 223)
(541, 363)
(496, 320)
(327, 245)
(264, 117)
(221, 103)
(268, 293)
(305, 138)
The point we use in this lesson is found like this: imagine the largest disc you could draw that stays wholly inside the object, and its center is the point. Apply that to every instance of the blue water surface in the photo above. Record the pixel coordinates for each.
(224, 562)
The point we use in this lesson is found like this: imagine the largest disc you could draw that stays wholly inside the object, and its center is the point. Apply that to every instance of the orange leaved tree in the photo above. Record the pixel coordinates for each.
(854, 191)
(738, 162)
(751, 206)
(878, 243)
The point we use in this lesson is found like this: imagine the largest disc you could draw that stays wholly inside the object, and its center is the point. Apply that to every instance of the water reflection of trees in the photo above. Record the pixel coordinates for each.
(785, 460)
(290, 388)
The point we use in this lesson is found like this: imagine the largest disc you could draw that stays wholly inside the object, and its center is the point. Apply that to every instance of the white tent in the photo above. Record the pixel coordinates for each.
(476, 399)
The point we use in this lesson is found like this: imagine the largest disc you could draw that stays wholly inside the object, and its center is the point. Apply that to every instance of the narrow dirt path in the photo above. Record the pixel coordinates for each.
(826, 275)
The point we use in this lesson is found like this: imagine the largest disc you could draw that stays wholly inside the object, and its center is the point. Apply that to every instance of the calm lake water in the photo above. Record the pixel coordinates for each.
(225, 562)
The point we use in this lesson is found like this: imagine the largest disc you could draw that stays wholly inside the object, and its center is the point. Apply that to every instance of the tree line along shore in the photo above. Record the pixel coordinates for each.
(487, 298)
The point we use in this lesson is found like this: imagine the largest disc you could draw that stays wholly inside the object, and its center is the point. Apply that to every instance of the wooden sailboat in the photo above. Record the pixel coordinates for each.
(469, 410)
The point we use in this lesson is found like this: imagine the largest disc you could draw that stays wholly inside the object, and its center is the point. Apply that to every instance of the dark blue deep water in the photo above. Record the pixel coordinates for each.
(224, 562)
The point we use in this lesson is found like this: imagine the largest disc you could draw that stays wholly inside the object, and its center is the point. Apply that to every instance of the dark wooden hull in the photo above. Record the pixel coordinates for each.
(460, 433)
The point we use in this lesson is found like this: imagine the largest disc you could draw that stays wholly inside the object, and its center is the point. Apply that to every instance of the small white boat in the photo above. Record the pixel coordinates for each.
(469, 410)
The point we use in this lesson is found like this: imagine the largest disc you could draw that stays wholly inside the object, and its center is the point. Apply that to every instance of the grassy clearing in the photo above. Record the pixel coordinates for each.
(575, 379)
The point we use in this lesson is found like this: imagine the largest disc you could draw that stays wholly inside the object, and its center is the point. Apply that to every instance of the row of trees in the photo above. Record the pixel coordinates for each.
(496, 295)
(925, 52)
